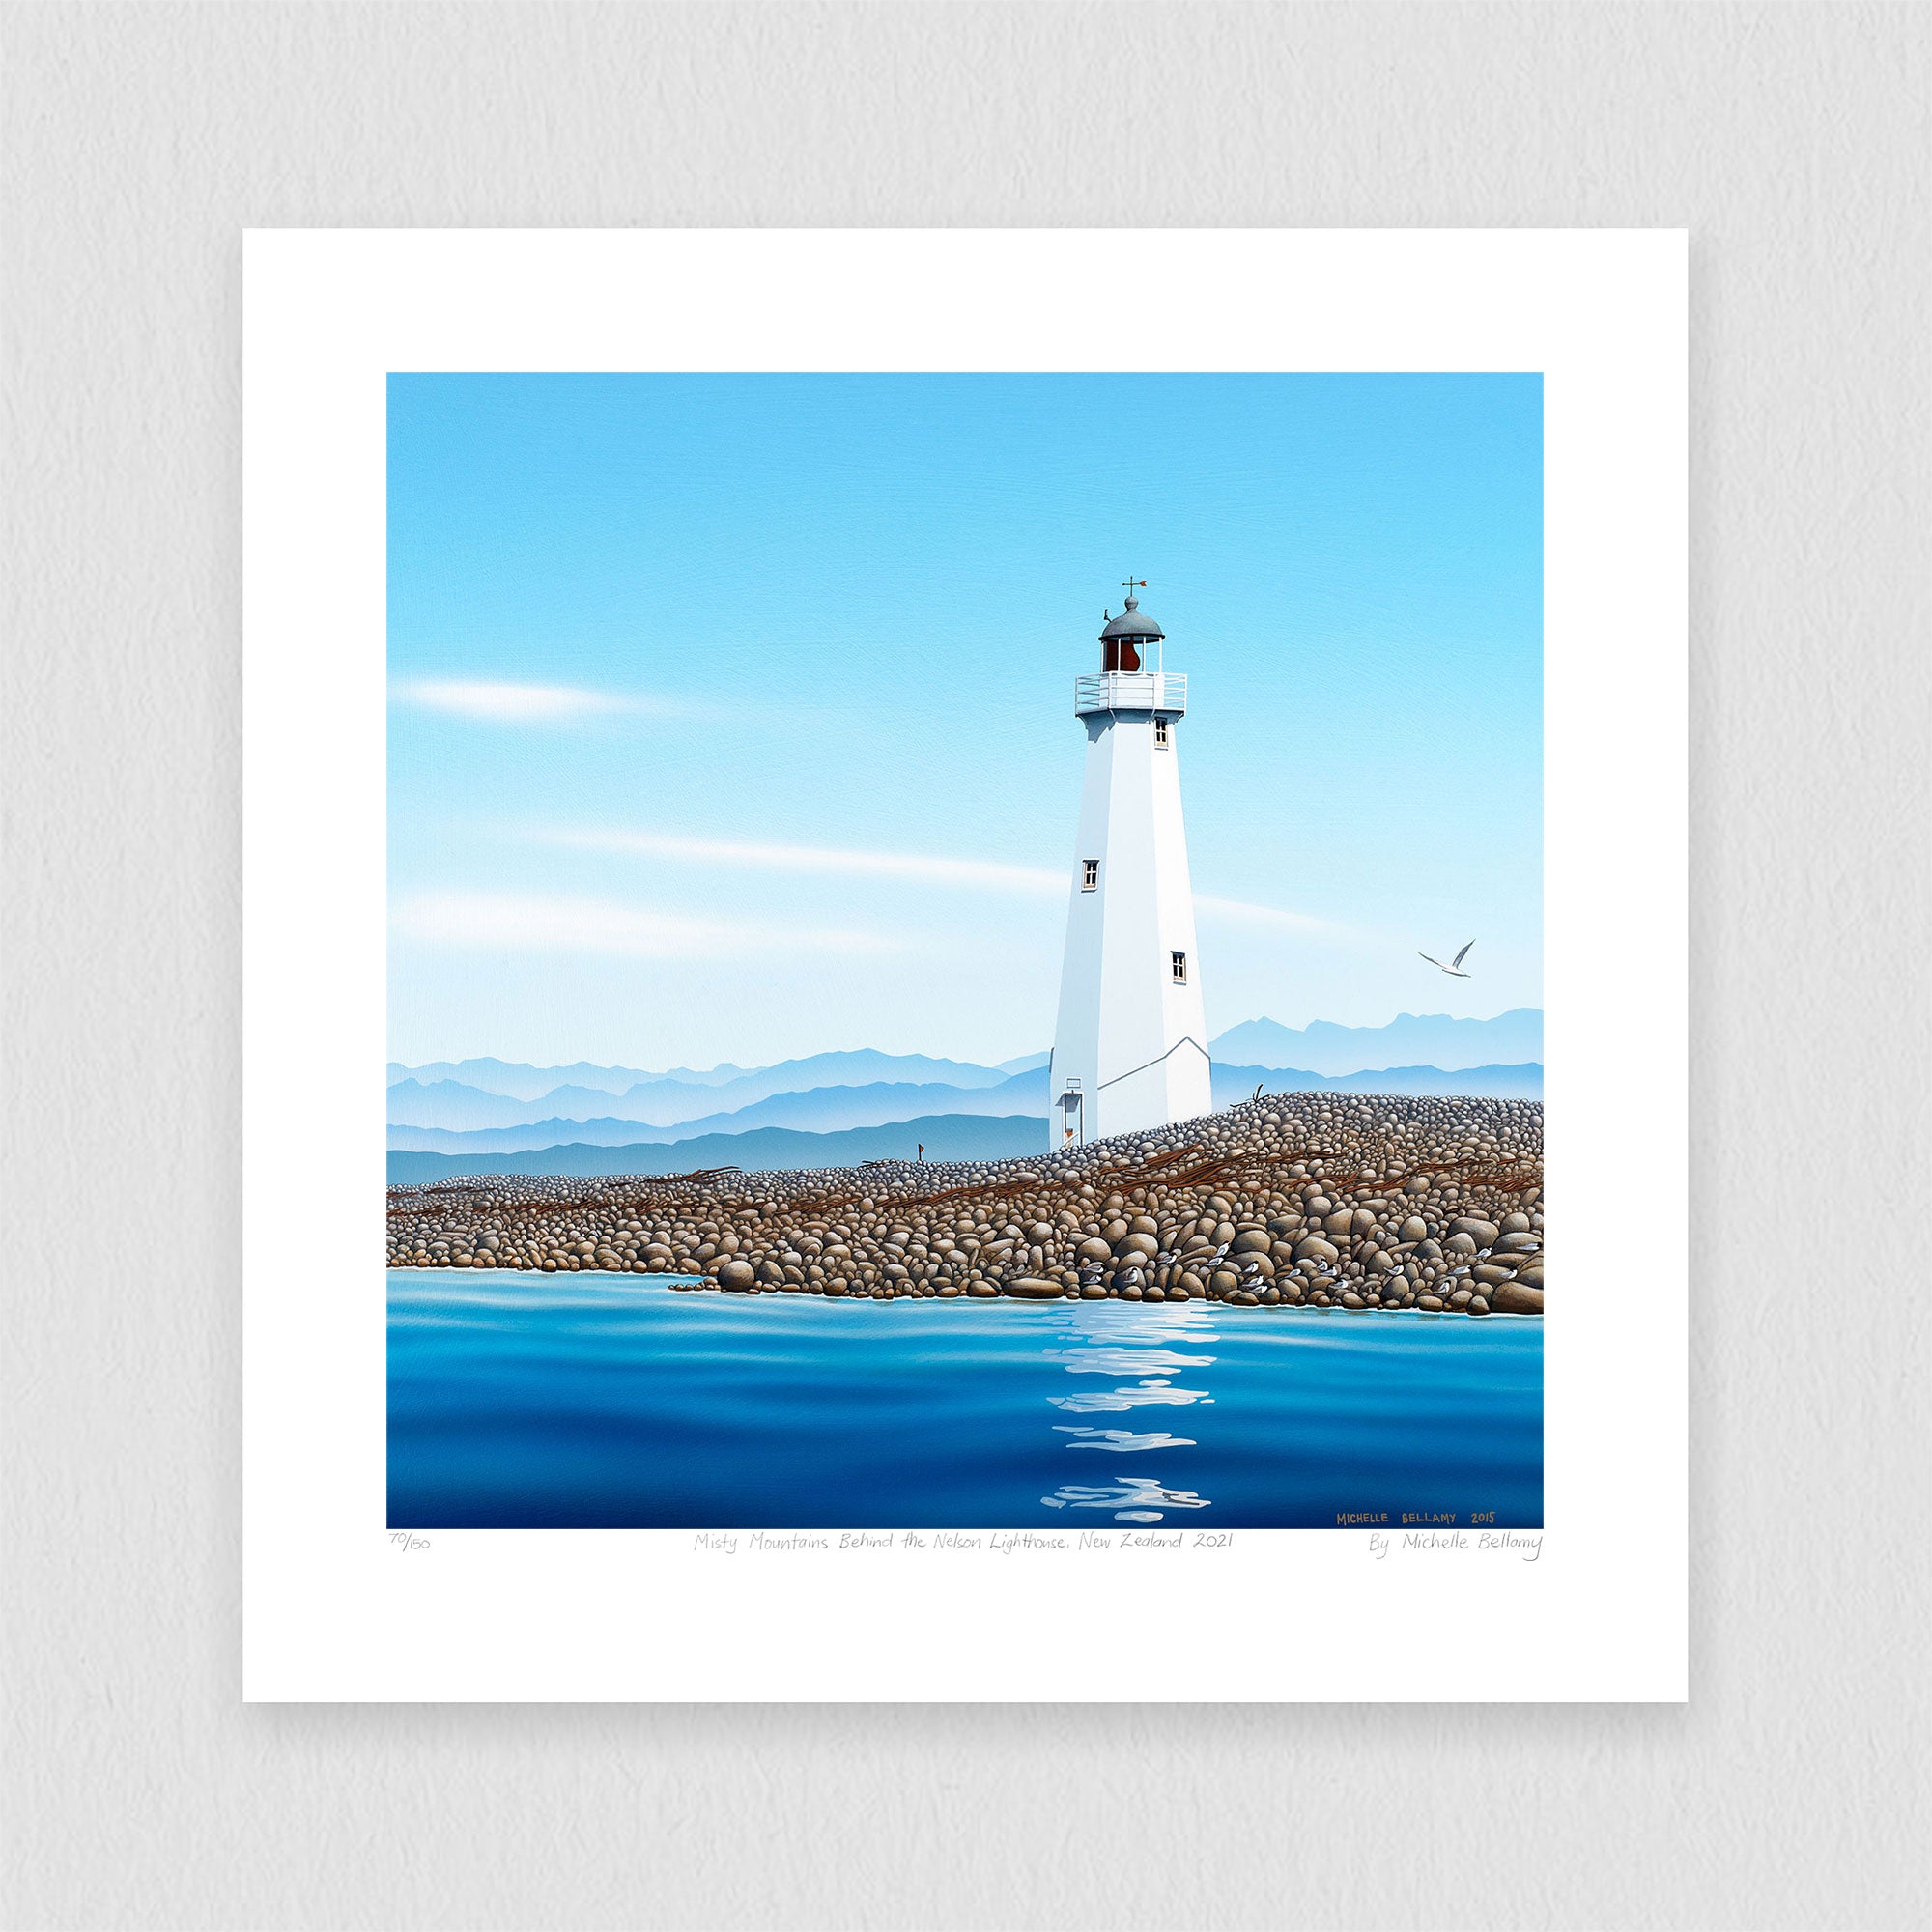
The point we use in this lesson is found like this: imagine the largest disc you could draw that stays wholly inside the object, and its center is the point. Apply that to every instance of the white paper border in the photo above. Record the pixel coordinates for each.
(333, 1609)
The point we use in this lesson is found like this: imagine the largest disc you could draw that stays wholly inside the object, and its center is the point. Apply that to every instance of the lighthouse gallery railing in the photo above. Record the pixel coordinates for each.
(1131, 691)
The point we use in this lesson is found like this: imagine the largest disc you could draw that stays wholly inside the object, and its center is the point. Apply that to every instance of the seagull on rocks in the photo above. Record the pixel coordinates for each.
(1455, 967)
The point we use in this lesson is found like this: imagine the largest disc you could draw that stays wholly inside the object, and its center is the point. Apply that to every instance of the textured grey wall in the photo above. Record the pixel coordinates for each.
(1792, 142)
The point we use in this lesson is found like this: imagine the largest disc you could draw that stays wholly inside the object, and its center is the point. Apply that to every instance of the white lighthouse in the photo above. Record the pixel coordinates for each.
(1130, 1047)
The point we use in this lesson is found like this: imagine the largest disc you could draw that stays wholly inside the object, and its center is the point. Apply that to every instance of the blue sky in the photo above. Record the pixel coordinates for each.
(731, 716)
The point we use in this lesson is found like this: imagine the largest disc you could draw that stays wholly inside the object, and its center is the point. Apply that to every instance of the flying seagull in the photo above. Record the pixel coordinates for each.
(1455, 967)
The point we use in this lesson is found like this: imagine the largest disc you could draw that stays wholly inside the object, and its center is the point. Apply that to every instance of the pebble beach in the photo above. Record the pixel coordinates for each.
(1364, 1203)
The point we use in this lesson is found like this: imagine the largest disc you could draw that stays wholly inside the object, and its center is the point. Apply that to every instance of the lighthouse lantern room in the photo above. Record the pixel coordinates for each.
(1129, 1048)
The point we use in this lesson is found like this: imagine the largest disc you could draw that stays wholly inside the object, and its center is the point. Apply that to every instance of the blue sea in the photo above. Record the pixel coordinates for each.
(596, 1401)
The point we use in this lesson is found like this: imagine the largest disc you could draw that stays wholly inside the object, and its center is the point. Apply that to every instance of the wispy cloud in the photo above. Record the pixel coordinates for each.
(917, 866)
(822, 858)
(528, 923)
(490, 703)
(1244, 912)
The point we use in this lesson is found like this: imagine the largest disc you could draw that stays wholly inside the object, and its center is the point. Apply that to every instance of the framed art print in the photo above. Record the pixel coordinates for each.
(936, 924)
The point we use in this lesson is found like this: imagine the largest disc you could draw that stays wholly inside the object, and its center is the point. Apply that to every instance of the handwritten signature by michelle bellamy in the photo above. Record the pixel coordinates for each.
(1524, 1544)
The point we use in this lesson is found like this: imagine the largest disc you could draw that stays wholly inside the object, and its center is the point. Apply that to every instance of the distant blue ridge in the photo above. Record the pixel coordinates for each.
(1522, 1082)
(832, 1110)
(447, 1106)
(762, 1150)
(945, 1136)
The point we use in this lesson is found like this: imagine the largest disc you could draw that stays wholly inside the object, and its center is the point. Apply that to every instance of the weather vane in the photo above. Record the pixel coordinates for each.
(1134, 583)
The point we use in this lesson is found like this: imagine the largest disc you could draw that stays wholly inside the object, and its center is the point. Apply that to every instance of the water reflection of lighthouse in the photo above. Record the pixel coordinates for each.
(1130, 1050)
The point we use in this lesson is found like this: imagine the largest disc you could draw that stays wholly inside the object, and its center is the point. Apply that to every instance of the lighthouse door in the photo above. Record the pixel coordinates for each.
(1072, 1116)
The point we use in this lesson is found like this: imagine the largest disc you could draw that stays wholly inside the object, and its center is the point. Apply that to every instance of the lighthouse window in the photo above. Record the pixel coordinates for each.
(1160, 733)
(1179, 968)
(1090, 874)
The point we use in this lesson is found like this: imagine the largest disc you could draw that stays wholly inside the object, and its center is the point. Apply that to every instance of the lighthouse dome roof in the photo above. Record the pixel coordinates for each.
(1133, 623)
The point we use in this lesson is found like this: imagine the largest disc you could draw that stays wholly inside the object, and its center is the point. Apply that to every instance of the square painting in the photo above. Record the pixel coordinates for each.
(965, 953)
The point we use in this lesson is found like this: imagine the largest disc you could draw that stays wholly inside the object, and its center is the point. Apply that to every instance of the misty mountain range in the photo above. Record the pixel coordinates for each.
(515, 1080)
(668, 1102)
(815, 1110)
(469, 1095)
(844, 1093)
(762, 1150)
(945, 1136)
(1409, 1040)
